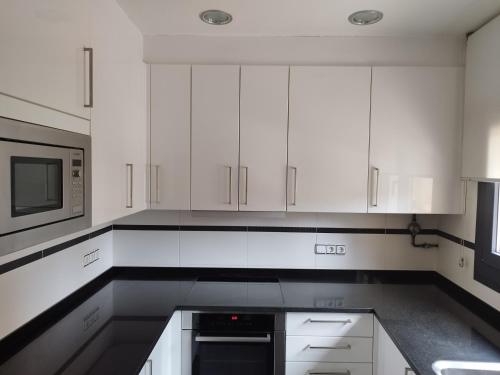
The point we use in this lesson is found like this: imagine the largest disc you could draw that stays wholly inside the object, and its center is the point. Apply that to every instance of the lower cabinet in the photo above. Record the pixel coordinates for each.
(388, 360)
(329, 343)
(165, 359)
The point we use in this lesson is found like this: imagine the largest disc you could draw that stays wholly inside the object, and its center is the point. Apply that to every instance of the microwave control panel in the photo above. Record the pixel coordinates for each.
(77, 182)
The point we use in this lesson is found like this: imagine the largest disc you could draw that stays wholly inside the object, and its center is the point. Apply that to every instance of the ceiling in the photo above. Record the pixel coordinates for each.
(311, 17)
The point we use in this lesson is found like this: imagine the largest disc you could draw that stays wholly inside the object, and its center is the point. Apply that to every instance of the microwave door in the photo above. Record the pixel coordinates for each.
(35, 185)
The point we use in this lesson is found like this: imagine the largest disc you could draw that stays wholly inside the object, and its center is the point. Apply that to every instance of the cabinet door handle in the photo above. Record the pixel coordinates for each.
(346, 321)
(89, 79)
(245, 194)
(130, 185)
(294, 201)
(340, 347)
(157, 184)
(230, 186)
(346, 372)
(374, 187)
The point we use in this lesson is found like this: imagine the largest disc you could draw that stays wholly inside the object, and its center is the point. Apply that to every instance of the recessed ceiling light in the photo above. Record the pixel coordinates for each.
(365, 17)
(215, 17)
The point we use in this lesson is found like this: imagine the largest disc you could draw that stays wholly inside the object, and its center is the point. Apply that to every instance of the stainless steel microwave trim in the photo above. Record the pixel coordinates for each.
(27, 134)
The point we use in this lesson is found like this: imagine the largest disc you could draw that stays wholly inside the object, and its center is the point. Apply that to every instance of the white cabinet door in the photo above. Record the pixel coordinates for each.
(215, 137)
(328, 139)
(481, 158)
(170, 136)
(415, 140)
(42, 62)
(119, 115)
(263, 138)
(165, 359)
(388, 360)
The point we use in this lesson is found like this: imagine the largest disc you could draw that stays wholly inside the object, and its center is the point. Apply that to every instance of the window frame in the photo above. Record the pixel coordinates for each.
(486, 258)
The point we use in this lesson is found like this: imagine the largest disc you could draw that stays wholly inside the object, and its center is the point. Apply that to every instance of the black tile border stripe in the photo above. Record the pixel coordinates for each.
(6, 267)
(450, 237)
(9, 266)
(470, 245)
(145, 227)
(269, 229)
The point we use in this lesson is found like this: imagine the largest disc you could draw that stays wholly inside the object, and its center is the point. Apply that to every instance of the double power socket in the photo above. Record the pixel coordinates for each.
(91, 257)
(330, 249)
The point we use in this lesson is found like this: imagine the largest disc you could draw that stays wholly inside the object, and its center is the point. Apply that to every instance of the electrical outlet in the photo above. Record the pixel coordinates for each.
(330, 249)
(91, 257)
(320, 249)
(340, 249)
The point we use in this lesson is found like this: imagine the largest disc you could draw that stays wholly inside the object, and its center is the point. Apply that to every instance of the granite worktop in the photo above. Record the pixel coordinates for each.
(111, 326)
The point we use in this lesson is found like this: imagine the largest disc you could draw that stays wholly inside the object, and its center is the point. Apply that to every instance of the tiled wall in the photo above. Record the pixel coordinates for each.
(263, 240)
(31, 288)
(450, 252)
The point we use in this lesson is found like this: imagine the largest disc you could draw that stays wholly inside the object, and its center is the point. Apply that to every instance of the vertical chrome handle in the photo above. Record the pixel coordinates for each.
(157, 184)
(374, 187)
(245, 194)
(230, 188)
(88, 77)
(130, 185)
(294, 169)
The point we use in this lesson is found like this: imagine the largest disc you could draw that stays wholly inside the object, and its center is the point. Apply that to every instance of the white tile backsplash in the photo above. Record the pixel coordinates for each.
(376, 252)
(449, 254)
(213, 249)
(29, 290)
(146, 248)
(281, 250)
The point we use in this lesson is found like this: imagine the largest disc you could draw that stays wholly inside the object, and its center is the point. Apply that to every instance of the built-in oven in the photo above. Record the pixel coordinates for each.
(233, 343)
(44, 184)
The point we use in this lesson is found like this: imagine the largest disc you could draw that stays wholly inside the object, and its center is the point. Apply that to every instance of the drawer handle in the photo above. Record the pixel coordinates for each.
(346, 372)
(342, 347)
(347, 321)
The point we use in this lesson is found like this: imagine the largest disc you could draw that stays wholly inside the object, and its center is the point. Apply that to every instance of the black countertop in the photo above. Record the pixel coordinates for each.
(112, 325)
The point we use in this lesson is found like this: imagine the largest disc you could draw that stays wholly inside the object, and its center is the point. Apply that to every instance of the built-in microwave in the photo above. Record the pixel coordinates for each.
(44, 184)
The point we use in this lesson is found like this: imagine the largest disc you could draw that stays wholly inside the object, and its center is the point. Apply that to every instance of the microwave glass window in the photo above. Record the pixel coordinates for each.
(36, 185)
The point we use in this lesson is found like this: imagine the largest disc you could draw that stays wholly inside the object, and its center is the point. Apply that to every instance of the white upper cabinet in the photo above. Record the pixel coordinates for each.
(215, 137)
(328, 139)
(42, 64)
(263, 138)
(170, 136)
(481, 146)
(119, 115)
(415, 135)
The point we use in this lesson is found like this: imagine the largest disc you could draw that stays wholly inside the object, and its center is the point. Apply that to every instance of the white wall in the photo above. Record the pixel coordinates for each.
(270, 249)
(435, 51)
(449, 254)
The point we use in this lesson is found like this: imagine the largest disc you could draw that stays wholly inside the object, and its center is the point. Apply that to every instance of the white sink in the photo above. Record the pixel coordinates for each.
(466, 368)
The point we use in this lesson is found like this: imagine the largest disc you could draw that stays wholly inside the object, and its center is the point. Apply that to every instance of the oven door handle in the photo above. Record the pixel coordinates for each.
(265, 339)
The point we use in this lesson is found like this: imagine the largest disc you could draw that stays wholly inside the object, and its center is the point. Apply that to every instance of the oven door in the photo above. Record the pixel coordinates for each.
(232, 354)
(35, 185)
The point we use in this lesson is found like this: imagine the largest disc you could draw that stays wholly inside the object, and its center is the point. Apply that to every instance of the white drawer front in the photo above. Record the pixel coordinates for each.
(312, 368)
(329, 324)
(328, 349)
